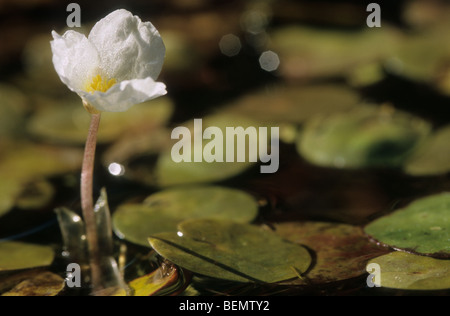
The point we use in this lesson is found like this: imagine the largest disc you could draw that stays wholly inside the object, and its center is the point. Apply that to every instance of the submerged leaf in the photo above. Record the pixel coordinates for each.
(163, 211)
(399, 270)
(19, 256)
(232, 251)
(422, 227)
(341, 250)
(366, 137)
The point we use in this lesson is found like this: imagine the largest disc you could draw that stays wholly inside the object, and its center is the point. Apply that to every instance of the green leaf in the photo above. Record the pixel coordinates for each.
(22, 164)
(26, 161)
(409, 61)
(170, 173)
(36, 195)
(163, 211)
(310, 53)
(432, 157)
(422, 227)
(341, 250)
(399, 270)
(9, 191)
(369, 136)
(295, 103)
(232, 251)
(19, 256)
(69, 124)
(13, 106)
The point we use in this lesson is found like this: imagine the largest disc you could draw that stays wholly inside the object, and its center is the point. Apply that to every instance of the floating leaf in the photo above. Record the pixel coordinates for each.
(21, 164)
(232, 251)
(169, 173)
(19, 256)
(366, 75)
(13, 105)
(309, 53)
(69, 124)
(36, 195)
(399, 270)
(296, 103)
(432, 157)
(39, 284)
(128, 149)
(365, 137)
(422, 227)
(9, 280)
(9, 191)
(424, 14)
(421, 56)
(26, 162)
(163, 211)
(341, 250)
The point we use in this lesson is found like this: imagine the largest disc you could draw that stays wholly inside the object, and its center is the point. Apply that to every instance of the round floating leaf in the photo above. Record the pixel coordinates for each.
(309, 53)
(295, 104)
(232, 251)
(422, 227)
(399, 270)
(25, 162)
(365, 137)
(38, 284)
(127, 149)
(341, 250)
(69, 124)
(408, 60)
(13, 105)
(9, 191)
(170, 173)
(19, 256)
(163, 211)
(432, 157)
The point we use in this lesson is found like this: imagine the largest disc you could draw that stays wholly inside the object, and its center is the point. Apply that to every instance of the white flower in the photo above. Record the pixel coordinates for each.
(114, 68)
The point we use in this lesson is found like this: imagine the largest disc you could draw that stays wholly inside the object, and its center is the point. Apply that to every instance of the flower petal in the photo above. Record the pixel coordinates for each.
(75, 59)
(129, 48)
(124, 95)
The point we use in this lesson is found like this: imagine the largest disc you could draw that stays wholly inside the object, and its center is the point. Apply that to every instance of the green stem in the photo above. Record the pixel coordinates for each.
(87, 202)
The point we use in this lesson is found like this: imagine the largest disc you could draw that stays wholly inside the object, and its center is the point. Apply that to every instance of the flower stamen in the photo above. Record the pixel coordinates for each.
(100, 84)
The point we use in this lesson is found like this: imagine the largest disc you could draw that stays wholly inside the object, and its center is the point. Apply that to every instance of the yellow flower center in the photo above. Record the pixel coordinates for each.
(100, 84)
